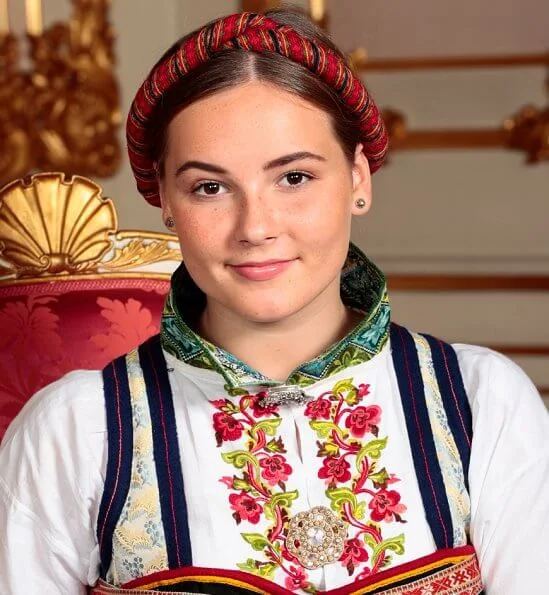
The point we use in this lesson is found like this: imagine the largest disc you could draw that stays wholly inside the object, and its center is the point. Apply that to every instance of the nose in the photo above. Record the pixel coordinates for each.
(257, 221)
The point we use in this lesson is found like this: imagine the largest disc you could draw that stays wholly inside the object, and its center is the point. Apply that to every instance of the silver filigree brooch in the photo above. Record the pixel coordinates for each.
(285, 394)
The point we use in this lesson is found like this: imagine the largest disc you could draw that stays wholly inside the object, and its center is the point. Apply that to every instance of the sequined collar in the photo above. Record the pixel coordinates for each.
(363, 288)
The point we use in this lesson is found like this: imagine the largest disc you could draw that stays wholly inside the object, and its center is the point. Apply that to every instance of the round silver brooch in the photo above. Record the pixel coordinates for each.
(316, 537)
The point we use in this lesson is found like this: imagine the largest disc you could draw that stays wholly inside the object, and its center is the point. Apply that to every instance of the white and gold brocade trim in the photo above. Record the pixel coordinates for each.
(447, 451)
(138, 540)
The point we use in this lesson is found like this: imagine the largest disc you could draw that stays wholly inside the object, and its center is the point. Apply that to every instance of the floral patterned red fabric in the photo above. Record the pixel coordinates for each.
(49, 329)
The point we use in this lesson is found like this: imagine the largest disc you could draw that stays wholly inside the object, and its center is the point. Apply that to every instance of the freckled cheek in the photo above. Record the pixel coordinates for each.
(323, 221)
(200, 237)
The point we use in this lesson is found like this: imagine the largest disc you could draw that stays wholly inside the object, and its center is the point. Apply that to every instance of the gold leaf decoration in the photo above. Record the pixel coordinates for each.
(140, 252)
(59, 97)
(54, 225)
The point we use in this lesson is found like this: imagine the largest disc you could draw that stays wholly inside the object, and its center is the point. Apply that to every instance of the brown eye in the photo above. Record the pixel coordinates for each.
(209, 188)
(295, 178)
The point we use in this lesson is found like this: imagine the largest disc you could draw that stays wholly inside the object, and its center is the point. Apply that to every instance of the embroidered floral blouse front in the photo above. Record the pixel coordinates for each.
(252, 470)
(349, 461)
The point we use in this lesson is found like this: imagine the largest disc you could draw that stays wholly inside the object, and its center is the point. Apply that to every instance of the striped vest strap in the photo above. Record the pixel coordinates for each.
(119, 382)
(455, 405)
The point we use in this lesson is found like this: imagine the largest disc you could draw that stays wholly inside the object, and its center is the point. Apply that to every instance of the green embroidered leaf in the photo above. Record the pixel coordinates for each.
(267, 569)
(264, 569)
(283, 499)
(372, 449)
(370, 541)
(380, 478)
(268, 511)
(339, 496)
(275, 445)
(395, 544)
(249, 565)
(327, 449)
(241, 484)
(256, 540)
(235, 392)
(269, 426)
(352, 398)
(343, 386)
(360, 510)
(323, 428)
(239, 458)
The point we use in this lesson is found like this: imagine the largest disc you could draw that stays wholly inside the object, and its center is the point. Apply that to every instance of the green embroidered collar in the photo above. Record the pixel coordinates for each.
(363, 288)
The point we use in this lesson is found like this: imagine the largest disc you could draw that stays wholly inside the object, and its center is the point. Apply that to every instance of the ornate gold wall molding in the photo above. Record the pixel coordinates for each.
(63, 112)
(527, 130)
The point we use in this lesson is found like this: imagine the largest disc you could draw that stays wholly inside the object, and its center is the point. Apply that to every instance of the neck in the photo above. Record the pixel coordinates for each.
(276, 349)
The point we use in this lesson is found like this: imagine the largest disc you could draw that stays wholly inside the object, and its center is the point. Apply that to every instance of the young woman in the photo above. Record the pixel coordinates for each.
(280, 435)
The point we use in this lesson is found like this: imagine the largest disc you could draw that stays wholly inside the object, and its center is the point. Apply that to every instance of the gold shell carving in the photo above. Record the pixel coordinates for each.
(54, 225)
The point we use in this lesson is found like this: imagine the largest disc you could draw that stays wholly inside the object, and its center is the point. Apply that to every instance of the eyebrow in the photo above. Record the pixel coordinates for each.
(278, 162)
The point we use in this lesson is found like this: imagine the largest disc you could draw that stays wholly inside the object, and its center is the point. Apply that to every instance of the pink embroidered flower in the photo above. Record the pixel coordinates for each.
(385, 506)
(297, 578)
(353, 553)
(226, 428)
(335, 469)
(363, 419)
(275, 469)
(363, 390)
(318, 409)
(260, 410)
(245, 508)
(219, 403)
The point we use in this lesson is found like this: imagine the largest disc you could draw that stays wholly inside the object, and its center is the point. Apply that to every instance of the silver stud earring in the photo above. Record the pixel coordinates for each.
(360, 203)
(169, 222)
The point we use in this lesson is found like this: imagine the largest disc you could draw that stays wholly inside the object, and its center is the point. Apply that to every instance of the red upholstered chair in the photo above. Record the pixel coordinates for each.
(75, 292)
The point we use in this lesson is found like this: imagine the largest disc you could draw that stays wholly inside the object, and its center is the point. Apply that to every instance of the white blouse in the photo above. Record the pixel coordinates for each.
(53, 461)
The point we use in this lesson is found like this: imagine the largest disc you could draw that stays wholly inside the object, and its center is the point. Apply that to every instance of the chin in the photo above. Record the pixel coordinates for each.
(268, 313)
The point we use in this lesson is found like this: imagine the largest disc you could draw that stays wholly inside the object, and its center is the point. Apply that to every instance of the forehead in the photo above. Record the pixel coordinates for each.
(247, 121)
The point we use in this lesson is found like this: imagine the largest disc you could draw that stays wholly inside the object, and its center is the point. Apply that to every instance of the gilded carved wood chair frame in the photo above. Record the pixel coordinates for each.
(75, 291)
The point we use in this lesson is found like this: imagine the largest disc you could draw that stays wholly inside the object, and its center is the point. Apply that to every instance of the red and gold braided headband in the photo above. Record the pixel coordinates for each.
(255, 33)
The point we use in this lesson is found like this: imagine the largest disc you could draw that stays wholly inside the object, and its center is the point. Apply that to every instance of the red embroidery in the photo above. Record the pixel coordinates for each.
(335, 470)
(245, 507)
(259, 484)
(357, 485)
(226, 428)
(385, 506)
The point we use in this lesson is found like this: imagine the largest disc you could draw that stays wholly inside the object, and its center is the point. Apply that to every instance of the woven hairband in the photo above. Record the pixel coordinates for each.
(256, 33)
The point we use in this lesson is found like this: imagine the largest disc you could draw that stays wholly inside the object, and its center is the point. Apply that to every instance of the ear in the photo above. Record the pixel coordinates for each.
(165, 207)
(362, 182)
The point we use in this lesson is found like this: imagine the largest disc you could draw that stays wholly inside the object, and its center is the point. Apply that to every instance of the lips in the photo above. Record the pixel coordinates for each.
(262, 271)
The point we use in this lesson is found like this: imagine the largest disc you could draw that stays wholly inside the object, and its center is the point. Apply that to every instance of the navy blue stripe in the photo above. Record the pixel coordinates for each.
(429, 475)
(454, 398)
(166, 454)
(119, 457)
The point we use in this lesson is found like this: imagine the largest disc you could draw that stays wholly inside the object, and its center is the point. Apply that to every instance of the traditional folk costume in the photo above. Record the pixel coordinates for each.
(391, 463)
(172, 470)
(300, 482)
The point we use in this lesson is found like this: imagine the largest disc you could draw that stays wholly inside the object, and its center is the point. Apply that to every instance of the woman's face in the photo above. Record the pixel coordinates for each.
(262, 196)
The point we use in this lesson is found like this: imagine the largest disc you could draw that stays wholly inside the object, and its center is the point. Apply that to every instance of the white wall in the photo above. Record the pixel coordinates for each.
(433, 210)
(145, 29)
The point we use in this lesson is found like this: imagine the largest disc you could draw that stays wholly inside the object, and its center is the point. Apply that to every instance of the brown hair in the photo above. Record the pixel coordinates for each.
(234, 67)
